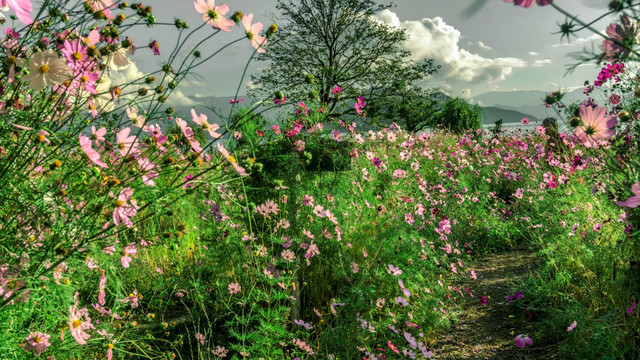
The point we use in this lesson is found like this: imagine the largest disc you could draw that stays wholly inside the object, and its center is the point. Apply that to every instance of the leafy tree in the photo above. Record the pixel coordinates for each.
(326, 43)
(458, 116)
(413, 109)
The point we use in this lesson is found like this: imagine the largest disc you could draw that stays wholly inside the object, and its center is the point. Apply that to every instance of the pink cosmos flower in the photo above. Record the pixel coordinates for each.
(85, 145)
(132, 299)
(633, 201)
(22, 8)
(395, 271)
(337, 90)
(596, 125)
(303, 324)
(529, 3)
(622, 38)
(202, 121)
(37, 343)
(524, 121)
(236, 101)
(572, 326)
(123, 210)
(77, 326)
(201, 338)
(101, 286)
(212, 14)
(146, 166)
(252, 33)
(127, 145)
(98, 135)
(126, 259)
(523, 340)
(132, 114)
(189, 134)
(239, 169)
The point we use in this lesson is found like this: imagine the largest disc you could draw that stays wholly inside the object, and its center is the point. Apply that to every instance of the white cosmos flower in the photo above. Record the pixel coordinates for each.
(46, 69)
(103, 101)
(118, 60)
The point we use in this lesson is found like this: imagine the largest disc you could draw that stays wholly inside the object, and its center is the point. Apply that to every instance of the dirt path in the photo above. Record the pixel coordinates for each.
(488, 331)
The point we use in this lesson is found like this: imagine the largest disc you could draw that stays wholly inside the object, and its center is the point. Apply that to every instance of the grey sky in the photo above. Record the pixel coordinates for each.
(502, 47)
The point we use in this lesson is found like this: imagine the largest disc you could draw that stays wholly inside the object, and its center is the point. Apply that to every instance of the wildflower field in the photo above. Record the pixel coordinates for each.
(131, 231)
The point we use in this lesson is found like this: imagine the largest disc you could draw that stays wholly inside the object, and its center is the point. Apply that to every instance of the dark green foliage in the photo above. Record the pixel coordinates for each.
(458, 116)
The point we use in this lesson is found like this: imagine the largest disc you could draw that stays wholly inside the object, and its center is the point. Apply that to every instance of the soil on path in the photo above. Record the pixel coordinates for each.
(489, 331)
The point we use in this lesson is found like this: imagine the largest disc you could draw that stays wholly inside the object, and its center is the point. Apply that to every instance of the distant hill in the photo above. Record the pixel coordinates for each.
(494, 113)
(522, 98)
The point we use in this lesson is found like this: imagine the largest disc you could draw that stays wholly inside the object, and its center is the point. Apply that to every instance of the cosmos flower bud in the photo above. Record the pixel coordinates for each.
(616, 5)
(272, 30)
(119, 19)
(553, 98)
(575, 121)
(237, 17)
(624, 116)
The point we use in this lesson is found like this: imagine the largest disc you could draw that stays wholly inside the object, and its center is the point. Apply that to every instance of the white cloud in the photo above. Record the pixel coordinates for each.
(434, 39)
(252, 86)
(580, 41)
(541, 62)
(132, 73)
(484, 46)
(533, 53)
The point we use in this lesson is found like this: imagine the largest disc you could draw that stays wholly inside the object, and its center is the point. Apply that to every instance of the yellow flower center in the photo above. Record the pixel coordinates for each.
(249, 35)
(119, 203)
(212, 15)
(77, 56)
(231, 158)
(76, 323)
(84, 78)
(44, 69)
(109, 346)
(10, 60)
(40, 138)
(37, 339)
(32, 238)
(131, 295)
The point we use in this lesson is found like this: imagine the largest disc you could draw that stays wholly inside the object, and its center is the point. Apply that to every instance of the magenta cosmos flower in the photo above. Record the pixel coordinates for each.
(528, 3)
(622, 38)
(596, 125)
(523, 340)
(252, 33)
(212, 14)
